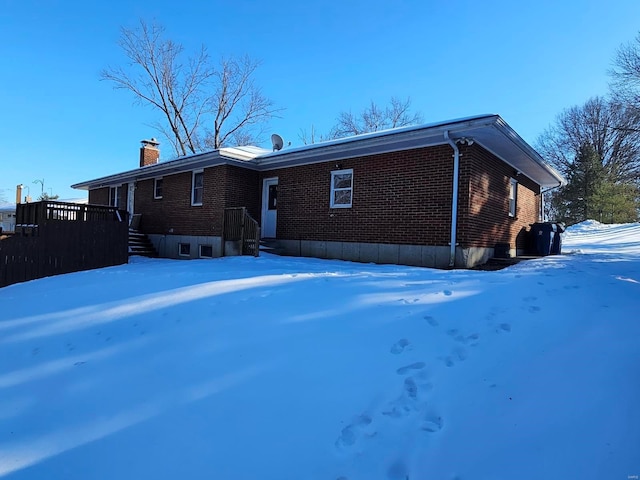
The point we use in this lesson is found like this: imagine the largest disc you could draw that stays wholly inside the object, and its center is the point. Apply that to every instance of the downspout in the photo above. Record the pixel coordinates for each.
(454, 201)
(542, 192)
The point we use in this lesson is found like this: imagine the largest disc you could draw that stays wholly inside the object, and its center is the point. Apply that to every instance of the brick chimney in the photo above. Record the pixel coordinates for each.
(18, 194)
(149, 153)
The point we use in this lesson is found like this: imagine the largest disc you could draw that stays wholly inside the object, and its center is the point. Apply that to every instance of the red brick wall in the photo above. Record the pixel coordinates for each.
(399, 197)
(243, 190)
(224, 186)
(484, 201)
(99, 196)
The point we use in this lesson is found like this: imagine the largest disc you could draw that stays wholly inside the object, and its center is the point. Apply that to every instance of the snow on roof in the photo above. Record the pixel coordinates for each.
(489, 130)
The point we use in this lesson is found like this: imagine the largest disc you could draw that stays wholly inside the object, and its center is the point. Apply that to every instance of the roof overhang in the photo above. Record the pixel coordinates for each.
(181, 165)
(489, 131)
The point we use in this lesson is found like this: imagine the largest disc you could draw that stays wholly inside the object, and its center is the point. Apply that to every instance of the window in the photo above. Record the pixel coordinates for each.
(513, 197)
(206, 251)
(114, 196)
(197, 188)
(341, 188)
(184, 249)
(157, 188)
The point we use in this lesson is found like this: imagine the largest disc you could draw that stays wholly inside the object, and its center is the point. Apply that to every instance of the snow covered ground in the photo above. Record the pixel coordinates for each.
(289, 368)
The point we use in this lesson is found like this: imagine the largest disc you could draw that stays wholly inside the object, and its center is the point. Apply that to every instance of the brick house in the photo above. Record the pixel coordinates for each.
(385, 197)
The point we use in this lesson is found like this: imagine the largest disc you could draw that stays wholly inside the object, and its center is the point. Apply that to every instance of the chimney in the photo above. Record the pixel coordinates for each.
(149, 153)
(18, 194)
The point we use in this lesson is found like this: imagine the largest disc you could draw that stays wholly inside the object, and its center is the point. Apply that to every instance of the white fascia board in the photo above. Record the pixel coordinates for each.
(395, 140)
(204, 160)
(556, 178)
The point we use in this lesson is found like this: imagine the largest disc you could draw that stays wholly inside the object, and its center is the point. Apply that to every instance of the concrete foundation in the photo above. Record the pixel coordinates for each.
(168, 246)
(414, 255)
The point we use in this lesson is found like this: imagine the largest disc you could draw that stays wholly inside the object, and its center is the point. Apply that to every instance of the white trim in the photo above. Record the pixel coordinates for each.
(193, 187)
(116, 196)
(513, 190)
(269, 217)
(332, 204)
(180, 254)
(490, 131)
(155, 189)
(200, 251)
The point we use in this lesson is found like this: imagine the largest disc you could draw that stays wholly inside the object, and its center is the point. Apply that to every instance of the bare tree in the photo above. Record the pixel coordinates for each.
(201, 105)
(237, 103)
(609, 127)
(313, 136)
(375, 118)
(625, 73)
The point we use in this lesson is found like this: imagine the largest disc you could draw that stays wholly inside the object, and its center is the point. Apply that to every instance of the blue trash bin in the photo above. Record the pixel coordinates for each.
(543, 237)
(556, 244)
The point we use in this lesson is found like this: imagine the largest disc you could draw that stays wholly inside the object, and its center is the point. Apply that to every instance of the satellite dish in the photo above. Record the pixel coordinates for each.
(277, 142)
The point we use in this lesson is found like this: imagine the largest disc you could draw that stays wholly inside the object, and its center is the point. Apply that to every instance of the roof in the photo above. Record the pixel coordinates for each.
(490, 131)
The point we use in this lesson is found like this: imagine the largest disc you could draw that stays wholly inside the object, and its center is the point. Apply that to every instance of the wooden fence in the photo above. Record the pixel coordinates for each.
(238, 226)
(54, 237)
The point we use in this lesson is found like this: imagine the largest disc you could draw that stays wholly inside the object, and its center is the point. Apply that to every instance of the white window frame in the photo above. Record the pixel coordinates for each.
(114, 198)
(332, 203)
(513, 197)
(155, 188)
(180, 245)
(200, 251)
(193, 188)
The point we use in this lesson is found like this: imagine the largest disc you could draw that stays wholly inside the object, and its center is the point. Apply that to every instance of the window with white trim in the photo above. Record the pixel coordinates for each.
(513, 197)
(206, 251)
(197, 187)
(184, 249)
(341, 188)
(157, 188)
(114, 196)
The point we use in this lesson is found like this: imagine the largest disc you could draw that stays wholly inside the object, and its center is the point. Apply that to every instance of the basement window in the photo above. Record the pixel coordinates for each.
(513, 197)
(206, 251)
(184, 249)
(197, 188)
(157, 188)
(341, 188)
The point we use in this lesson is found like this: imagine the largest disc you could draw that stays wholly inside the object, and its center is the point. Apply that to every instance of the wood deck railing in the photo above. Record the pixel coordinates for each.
(38, 213)
(239, 226)
(52, 238)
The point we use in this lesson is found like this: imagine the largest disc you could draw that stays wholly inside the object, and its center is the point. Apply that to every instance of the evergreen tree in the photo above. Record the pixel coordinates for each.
(593, 192)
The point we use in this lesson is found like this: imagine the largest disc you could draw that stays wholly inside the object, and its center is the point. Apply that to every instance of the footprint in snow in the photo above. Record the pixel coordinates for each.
(410, 387)
(432, 424)
(408, 368)
(399, 346)
(460, 354)
(534, 309)
(457, 336)
(504, 327)
(397, 471)
(431, 321)
(349, 434)
(448, 293)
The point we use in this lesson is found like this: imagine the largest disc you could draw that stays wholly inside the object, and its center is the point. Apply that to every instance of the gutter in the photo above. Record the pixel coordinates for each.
(454, 200)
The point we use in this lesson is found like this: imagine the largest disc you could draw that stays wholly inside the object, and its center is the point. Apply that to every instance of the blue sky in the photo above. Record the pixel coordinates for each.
(526, 61)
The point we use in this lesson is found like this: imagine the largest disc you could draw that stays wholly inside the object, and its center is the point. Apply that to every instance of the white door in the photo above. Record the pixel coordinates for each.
(130, 199)
(269, 207)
